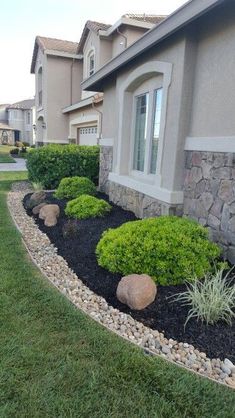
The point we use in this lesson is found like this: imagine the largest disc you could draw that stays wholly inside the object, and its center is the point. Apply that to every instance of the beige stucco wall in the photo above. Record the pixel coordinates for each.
(214, 92)
(131, 33)
(59, 96)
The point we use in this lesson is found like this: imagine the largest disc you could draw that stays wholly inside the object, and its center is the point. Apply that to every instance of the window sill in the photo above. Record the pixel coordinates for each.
(152, 190)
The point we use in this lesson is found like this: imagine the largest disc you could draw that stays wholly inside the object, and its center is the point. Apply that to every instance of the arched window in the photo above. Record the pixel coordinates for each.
(91, 63)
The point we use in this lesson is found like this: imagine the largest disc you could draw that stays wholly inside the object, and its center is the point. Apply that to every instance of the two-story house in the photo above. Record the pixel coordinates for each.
(64, 112)
(58, 74)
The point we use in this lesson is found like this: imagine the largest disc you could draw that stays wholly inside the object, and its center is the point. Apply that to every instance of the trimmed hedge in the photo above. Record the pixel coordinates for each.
(72, 187)
(86, 206)
(51, 163)
(171, 250)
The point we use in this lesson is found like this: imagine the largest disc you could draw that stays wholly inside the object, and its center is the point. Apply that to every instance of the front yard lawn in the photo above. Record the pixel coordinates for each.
(57, 362)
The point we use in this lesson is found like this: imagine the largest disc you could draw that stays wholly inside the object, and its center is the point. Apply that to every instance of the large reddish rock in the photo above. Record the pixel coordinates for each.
(136, 291)
(49, 213)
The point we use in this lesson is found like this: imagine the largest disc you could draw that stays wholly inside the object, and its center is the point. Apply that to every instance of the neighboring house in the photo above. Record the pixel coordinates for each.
(168, 131)
(65, 113)
(18, 120)
(21, 118)
(58, 75)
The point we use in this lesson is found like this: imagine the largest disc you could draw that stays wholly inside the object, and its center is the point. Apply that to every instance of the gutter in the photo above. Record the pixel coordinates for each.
(177, 20)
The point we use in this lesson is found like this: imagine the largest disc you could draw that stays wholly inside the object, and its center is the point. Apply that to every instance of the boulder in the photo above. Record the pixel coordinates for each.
(136, 291)
(36, 198)
(37, 208)
(49, 213)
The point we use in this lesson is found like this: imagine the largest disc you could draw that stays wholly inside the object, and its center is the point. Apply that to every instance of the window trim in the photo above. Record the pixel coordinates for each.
(90, 54)
(137, 77)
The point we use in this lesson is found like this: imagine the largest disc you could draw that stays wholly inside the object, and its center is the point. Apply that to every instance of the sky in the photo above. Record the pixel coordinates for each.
(22, 20)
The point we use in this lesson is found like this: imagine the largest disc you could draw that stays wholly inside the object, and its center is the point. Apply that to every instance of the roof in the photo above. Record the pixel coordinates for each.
(90, 26)
(145, 17)
(97, 26)
(2, 105)
(186, 14)
(5, 127)
(23, 104)
(52, 44)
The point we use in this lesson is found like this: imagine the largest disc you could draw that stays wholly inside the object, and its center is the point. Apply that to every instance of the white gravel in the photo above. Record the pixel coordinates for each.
(56, 269)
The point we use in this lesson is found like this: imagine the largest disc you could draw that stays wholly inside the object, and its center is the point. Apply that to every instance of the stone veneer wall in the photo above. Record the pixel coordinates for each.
(209, 195)
(106, 163)
(142, 205)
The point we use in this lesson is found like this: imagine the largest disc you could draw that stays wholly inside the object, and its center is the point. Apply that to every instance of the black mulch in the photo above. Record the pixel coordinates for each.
(217, 341)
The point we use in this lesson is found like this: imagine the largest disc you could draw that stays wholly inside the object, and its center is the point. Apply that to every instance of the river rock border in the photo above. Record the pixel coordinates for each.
(55, 268)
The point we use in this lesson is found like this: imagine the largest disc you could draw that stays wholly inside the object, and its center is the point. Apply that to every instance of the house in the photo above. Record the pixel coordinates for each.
(17, 122)
(168, 133)
(64, 112)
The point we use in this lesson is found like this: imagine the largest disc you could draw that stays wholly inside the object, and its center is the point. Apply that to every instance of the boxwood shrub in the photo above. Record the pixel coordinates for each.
(72, 187)
(86, 206)
(171, 250)
(49, 164)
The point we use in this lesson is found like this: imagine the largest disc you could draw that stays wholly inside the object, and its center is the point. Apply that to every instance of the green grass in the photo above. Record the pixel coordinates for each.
(56, 362)
(4, 158)
(5, 149)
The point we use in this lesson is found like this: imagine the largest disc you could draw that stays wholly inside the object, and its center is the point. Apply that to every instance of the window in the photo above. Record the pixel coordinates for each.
(28, 121)
(140, 131)
(91, 63)
(146, 130)
(155, 129)
(15, 114)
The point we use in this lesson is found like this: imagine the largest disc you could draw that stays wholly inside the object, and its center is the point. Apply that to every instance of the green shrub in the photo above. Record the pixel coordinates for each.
(168, 248)
(86, 206)
(49, 164)
(211, 300)
(72, 187)
(14, 151)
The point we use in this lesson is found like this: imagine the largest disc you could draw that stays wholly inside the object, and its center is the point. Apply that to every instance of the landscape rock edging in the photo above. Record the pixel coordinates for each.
(43, 253)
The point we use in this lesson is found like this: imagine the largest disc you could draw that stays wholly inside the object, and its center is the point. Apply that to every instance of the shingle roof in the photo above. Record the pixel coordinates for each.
(23, 104)
(145, 17)
(54, 45)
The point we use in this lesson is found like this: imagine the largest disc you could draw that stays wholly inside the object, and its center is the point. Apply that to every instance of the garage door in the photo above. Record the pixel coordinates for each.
(87, 135)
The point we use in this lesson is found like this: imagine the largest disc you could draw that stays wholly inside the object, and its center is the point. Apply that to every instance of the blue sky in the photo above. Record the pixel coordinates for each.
(22, 20)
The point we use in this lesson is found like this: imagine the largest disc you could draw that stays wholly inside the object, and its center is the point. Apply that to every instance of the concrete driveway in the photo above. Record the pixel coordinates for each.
(19, 165)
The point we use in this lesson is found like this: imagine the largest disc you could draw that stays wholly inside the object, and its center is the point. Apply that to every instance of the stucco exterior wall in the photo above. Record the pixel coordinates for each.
(214, 93)
(58, 97)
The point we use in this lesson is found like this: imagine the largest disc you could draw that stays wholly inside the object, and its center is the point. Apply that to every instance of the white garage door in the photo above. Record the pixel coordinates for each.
(87, 135)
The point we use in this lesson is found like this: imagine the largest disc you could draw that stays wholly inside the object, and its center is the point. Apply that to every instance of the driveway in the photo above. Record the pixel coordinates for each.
(20, 165)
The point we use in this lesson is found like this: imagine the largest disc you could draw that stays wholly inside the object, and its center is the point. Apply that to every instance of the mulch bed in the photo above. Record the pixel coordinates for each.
(216, 341)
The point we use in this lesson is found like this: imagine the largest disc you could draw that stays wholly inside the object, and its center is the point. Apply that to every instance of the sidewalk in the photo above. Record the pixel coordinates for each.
(20, 165)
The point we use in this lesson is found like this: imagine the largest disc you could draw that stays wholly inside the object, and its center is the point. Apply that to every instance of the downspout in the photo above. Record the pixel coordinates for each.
(71, 82)
(101, 121)
(124, 36)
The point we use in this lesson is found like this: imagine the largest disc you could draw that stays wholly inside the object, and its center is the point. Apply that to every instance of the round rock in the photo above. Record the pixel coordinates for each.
(136, 291)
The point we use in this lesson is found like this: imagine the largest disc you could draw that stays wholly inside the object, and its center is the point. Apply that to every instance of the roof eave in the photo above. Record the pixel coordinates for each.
(176, 21)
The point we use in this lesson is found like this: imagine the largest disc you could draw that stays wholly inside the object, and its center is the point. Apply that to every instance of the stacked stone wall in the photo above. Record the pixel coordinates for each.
(209, 195)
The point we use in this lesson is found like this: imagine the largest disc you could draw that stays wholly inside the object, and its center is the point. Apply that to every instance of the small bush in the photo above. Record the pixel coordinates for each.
(72, 187)
(211, 300)
(19, 144)
(14, 151)
(51, 163)
(23, 150)
(168, 248)
(26, 144)
(87, 206)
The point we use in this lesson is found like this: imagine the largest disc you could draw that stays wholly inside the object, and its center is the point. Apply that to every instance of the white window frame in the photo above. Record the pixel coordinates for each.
(150, 185)
(149, 87)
